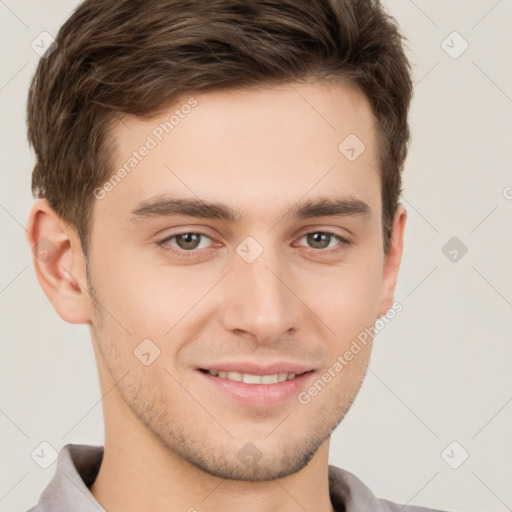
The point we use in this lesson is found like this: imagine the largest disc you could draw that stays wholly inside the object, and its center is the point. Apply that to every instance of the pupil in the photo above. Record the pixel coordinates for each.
(189, 239)
(316, 238)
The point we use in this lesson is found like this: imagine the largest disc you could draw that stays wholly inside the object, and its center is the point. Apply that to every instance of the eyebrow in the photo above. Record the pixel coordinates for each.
(162, 206)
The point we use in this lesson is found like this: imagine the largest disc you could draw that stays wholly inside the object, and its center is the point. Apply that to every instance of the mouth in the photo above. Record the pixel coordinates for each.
(250, 378)
(259, 390)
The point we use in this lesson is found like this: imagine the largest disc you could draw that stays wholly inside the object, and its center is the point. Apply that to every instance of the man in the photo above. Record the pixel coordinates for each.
(218, 189)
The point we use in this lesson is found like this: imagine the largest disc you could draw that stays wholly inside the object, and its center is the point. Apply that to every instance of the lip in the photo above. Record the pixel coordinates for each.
(258, 395)
(258, 369)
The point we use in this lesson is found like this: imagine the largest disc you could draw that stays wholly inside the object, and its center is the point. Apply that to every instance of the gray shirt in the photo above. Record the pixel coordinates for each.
(78, 466)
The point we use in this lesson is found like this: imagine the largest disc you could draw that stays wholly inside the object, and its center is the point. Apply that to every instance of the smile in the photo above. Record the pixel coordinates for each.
(249, 378)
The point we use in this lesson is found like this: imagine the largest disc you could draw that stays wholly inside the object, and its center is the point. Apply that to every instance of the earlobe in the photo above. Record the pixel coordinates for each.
(392, 260)
(59, 262)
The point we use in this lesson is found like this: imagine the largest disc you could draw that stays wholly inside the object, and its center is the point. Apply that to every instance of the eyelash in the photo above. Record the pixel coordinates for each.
(164, 244)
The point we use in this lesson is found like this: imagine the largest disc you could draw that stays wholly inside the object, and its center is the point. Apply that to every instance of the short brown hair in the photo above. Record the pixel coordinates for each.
(135, 56)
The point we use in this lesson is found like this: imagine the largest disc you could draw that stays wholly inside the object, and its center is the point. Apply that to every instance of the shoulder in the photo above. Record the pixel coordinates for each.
(76, 468)
(349, 493)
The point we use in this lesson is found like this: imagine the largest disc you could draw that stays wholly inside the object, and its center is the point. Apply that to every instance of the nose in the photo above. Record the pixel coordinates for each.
(260, 300)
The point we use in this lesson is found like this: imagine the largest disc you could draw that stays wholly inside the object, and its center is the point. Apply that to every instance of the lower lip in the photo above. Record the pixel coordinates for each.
(259, 394)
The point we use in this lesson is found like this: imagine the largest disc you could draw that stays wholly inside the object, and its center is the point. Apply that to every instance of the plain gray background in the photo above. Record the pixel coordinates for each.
(439, 373)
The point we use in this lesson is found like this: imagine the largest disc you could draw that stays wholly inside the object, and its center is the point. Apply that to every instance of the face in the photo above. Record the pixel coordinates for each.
(279, 276)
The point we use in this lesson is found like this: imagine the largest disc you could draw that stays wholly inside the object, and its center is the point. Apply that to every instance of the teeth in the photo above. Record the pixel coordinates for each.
(235, 376)
(249, 378)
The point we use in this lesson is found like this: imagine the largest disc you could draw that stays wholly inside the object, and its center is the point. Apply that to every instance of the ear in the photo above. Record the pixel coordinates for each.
(59, 262)
(392, 261)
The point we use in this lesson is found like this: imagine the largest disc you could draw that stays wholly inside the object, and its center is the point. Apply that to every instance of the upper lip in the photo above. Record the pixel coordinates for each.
(258, 369)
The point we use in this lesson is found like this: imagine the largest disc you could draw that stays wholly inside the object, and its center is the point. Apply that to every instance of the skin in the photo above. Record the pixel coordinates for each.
(171, 439)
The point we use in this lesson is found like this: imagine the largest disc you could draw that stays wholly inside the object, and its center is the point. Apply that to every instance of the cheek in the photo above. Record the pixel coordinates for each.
(149, 296)
(347, 298)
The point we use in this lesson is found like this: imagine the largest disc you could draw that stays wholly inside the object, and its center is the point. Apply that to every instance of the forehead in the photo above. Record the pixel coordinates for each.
(257, 148)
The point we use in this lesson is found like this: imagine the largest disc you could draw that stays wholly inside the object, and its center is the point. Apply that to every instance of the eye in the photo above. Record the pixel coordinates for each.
(321, 240)
(185, 242)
